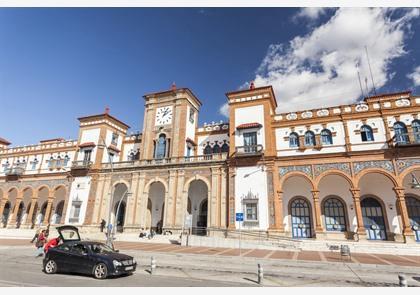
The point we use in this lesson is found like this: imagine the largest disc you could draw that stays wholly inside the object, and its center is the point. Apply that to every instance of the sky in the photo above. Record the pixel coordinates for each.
(58, 64)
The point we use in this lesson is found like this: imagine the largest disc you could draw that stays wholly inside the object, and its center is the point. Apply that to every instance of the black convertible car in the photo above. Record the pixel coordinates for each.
(86, 257)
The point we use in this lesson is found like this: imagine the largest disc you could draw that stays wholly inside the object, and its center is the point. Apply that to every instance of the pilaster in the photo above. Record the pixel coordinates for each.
(361, 231)
(317, 207)
(407, 231)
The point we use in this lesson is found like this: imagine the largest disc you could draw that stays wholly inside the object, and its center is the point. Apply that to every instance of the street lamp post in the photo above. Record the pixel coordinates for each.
(126, 194)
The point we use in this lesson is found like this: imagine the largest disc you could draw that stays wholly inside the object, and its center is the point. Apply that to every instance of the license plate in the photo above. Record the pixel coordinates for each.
(129, 268)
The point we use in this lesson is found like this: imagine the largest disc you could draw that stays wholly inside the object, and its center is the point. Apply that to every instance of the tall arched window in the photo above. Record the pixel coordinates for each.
(161, 147)
(366, 133)
(326, 137)
(207, 149)
(293, 140)
(416, 130)
(401, 134)
(334, 215)
(309, 138)
(216, 148)
(225, 147)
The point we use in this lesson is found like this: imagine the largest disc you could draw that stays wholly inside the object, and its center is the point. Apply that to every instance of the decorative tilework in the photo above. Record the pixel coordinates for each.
(359, 166)
(404, 164)
(320, 168)
(305, 169)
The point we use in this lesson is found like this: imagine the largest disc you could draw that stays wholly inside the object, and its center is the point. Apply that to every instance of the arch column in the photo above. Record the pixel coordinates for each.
(231, 204)
(18, 200)
(2, 203)
(361, 231)
(407, 231)
(278, 207)
(31, 211)
(49, 207)
(317, 207)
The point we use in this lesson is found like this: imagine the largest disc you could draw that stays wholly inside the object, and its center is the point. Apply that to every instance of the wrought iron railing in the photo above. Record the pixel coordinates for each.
(81, 164)
(256, 149)
(166, 161)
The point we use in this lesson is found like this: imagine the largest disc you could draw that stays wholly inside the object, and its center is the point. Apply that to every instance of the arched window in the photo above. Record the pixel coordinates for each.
(326, 137)
(225, 147)
(293, 140)
(401, 135)
(366, 133)
(161, 147)
(416, 130)
(334, 215)
(216, 148)
(207, 149)
(309, 138)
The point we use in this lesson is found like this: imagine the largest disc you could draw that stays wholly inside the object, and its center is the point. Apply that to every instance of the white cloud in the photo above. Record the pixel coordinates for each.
(224, 110)
(311, 13)
(415, 76)
(320, 68)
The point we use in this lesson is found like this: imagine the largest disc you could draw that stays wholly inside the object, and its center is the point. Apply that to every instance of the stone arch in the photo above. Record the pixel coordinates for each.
(119, 194)
(198, 193)
(156, 179)
(334, 172)
(363, 173)
(408, 171)
(196, 177)
(119, 181)
(59, 198)
(156, 193)
(288, 175)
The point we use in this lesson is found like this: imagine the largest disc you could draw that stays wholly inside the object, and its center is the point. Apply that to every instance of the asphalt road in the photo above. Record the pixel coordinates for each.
(19, 268)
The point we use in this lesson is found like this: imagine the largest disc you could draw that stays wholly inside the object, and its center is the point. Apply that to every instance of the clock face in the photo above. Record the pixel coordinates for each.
(164, 115)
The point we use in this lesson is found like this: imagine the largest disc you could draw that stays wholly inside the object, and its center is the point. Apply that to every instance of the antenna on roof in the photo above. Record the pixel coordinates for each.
(360, 82)
(367, 89)
(370, 70)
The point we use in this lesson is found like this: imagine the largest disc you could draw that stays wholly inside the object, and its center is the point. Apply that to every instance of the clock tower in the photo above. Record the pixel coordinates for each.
(170, 121)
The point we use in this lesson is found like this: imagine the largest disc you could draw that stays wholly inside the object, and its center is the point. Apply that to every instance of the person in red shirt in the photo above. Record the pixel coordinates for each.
(52, 243)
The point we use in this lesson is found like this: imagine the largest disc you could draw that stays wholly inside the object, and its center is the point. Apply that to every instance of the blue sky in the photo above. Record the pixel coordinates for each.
(57, 64)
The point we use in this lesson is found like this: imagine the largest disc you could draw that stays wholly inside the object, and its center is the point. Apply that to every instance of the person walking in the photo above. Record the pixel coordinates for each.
(36, 235)
(103, 223)
(40, 242)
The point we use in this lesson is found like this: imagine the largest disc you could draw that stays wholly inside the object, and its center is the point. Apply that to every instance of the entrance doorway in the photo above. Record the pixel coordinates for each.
(301, 219)
(373, 219)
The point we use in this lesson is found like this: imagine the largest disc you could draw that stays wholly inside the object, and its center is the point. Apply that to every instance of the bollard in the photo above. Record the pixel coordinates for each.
(403, 280)
(260, 274)
(152, 265)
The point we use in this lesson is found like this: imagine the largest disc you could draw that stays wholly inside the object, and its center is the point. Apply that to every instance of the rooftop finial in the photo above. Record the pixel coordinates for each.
(107, 110)
(173, 87)
(251, 85)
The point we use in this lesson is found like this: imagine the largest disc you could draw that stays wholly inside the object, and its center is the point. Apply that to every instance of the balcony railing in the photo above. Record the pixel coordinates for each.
(404, 140)
(17, 171)
(249, 150)
(166, 161)
(81, 165)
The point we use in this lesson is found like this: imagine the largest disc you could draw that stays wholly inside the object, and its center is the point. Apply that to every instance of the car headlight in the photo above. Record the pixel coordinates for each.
(134, 261)
(116, 263)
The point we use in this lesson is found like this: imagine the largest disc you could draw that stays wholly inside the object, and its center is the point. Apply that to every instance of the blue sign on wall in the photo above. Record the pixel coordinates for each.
(239, 217)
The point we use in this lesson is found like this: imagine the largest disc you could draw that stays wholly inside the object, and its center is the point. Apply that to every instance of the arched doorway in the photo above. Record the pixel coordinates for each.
(118, 218)
(41, 216)
(413, 208)
(373, 219)
(58, 214)
(59, 201)
(120, 215)
(6, 214)
(301, 218)
(197, 197)
(157, 206)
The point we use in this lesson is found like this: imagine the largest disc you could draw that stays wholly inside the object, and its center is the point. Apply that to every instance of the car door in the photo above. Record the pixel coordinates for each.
(61, 255)
(82, 260)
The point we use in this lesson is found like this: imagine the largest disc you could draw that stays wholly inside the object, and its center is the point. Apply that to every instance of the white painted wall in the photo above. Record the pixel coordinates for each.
(254, 114)
(80, 188)
(90, 135)
(190, 127)
(256, 182)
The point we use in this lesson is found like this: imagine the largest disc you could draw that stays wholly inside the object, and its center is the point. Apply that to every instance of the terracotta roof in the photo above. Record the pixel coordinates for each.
(114, 148)
(191, 141)
(249, 125)
(87, 144)
(4, 141)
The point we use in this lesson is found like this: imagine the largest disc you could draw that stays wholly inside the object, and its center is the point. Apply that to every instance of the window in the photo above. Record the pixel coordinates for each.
(66, 159)
(34, 163)
(207, 149)
(75, 211)
(225, 147)
(188, 151)
(366, 133)
(79, 249)
(250, 142)
(114, 139)
(86, 156)
(416, 130)
(334, 215)
(6, 165)
(192, 112)
(293, 140)
(309, 138)
(161, 147)
(326, 137)
(251, 211)
(401, 134)
(216, 148)
(130, 157)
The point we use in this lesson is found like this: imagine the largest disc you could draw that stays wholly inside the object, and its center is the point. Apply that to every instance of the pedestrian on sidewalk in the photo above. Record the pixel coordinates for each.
(103, 224)
(40, 242)
(36, 235)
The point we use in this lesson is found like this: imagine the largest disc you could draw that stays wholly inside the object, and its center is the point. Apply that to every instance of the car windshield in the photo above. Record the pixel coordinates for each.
(101, 249)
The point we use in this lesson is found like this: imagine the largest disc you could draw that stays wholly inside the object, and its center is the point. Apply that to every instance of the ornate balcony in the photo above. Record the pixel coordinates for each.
(166, 161)
(14, 173)
(249, 150)
(80, 168)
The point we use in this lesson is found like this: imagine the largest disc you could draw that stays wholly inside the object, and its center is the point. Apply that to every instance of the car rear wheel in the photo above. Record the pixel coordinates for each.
(51, 267)
(100, 271)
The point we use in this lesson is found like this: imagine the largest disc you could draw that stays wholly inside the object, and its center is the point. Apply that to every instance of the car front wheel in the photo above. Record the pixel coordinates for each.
(50, 267)
(100, 271)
